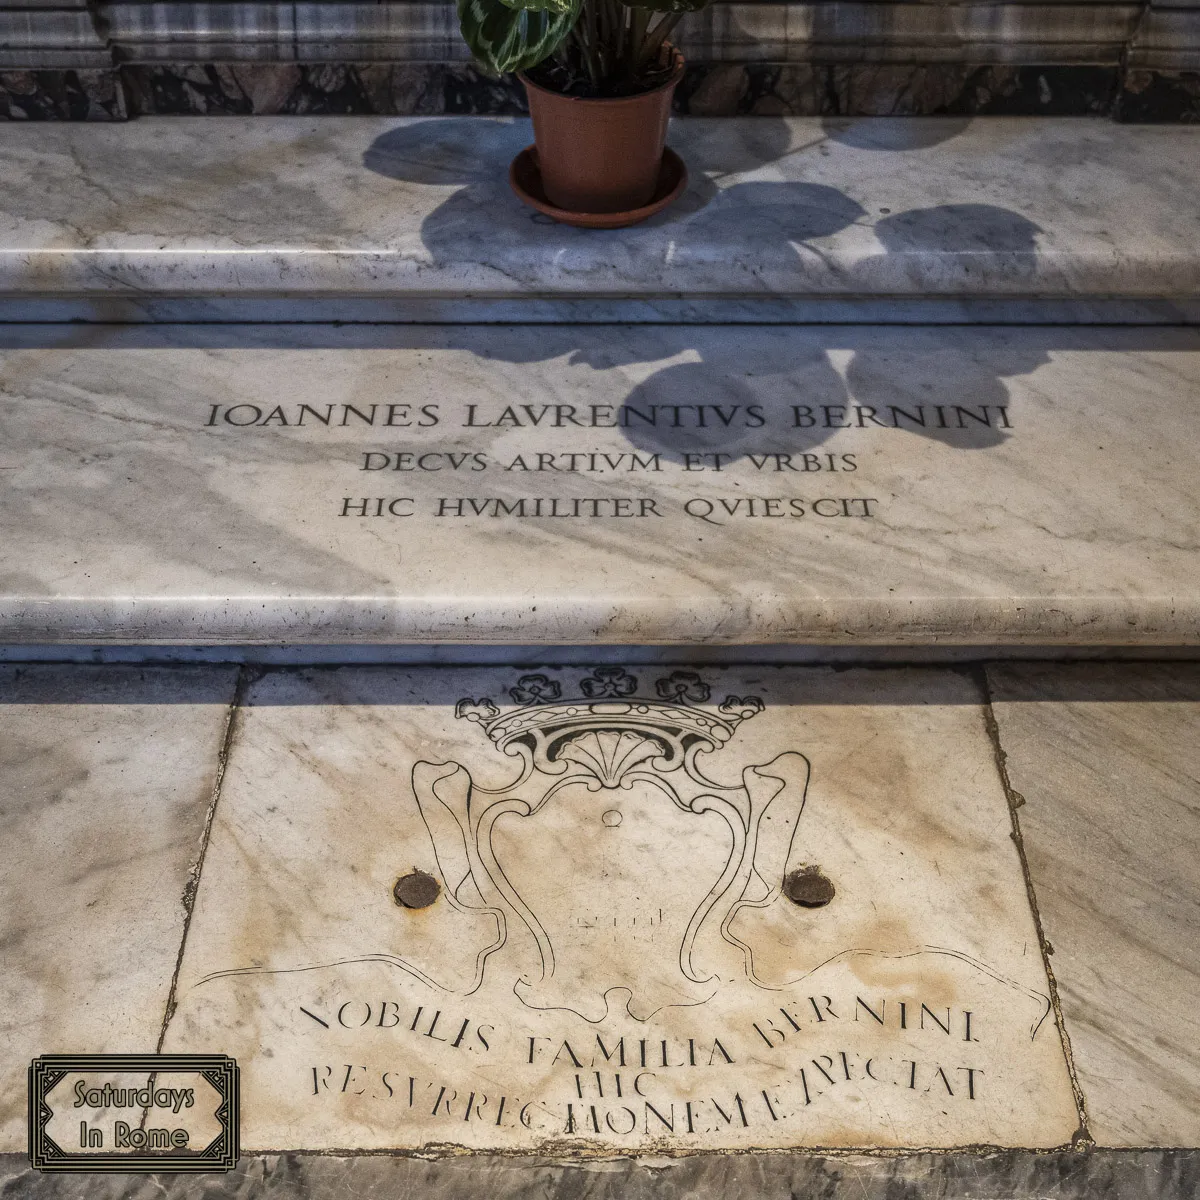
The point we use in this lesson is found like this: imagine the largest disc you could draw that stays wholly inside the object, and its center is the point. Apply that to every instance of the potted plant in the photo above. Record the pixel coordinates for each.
(600, 75)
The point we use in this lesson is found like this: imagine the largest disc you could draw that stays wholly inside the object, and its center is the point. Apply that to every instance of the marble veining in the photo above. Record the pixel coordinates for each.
(568, 485)
(776, 207)
(709, 89)
(1012, 1174)
(106, 776)
(1159, 96)
(1105, 757)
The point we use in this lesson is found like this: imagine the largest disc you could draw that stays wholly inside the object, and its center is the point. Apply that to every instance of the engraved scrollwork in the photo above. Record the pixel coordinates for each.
(608, 776)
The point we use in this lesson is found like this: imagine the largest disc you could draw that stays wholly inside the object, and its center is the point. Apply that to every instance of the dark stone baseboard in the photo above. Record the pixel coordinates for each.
(1089, 1174)
(1159, 96)
(708, 89)
(92, 94)
(891, 89)
(385, 89)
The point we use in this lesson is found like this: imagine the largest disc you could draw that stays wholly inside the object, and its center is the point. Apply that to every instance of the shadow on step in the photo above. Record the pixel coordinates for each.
(1105, 682)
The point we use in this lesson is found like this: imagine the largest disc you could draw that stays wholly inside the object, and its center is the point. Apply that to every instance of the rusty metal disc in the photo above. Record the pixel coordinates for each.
(809, 888)
(416, 890)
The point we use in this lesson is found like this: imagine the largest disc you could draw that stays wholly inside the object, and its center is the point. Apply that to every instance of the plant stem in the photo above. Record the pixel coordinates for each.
(656, 38)
(585, 28)
(614, 19)
(639, 22)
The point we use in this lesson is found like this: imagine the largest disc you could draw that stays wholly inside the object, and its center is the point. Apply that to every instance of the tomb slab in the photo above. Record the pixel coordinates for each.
(581, 485)
(621, 911)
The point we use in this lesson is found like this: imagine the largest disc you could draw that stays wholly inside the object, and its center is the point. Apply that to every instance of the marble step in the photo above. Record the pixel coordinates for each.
(963, 1175)
(905, 220)
(1005, 958)
(830, 486)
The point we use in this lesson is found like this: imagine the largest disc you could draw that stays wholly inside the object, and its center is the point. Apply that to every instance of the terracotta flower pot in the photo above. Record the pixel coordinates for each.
(600, 155)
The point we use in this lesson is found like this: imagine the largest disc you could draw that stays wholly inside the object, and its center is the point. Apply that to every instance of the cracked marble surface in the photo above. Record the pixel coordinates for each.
(1106, 759)
(106, 776)
(574, 485)
(777, 207)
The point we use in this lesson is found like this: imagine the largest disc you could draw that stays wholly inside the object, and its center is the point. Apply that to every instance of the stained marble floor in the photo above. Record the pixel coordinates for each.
(777, 908)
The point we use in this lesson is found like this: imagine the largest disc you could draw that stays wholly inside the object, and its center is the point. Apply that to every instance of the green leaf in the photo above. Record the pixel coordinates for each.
(550, 6)
(503, 38)
(673, 6)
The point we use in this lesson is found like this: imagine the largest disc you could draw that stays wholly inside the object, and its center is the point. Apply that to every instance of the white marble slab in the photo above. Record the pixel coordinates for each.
(610, 960)
(560, 486)
(1106, 759)
(106, 777)
(778, 209)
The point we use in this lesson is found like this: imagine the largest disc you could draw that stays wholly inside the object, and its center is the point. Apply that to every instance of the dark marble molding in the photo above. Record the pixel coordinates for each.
(240, 89)
(1159, 96)
(889, 89)
(90, 94)
(1006, 1175)
(708, 89)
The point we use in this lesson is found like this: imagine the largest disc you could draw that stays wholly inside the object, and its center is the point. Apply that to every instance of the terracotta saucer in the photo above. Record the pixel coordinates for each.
(526, 181)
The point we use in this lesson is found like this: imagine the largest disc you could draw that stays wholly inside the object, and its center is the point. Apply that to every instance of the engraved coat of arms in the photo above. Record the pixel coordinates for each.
(616, 857)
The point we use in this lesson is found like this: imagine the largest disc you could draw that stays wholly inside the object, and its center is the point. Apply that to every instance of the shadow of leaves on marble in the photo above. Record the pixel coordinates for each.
(893, 136)
(483, 222)
(766, 396)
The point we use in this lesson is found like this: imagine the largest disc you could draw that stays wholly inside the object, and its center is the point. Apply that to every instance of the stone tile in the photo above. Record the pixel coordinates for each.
(612, 961)
(577, 484)
(106, 777)
(1107, 759)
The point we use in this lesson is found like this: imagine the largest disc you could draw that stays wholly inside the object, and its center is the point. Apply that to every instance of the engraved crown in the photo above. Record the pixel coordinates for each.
(609, 703)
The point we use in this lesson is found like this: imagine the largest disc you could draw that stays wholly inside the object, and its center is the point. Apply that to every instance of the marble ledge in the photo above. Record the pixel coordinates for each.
(1013, 1174)
(580, 485)
(627, 654)
(365, 207)
(637, 310)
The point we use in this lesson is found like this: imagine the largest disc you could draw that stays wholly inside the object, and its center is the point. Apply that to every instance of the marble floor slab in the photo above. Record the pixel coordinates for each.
(597, 911)
(106, 778)
(1106, 759)
(421, 208)
(576, 485)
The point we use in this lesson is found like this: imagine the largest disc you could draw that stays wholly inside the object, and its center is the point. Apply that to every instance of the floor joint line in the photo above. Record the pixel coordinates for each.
(1082, 1139)
(245, 676)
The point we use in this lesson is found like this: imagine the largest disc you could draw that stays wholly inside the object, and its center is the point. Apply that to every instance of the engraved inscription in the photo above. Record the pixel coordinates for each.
(619, 935)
